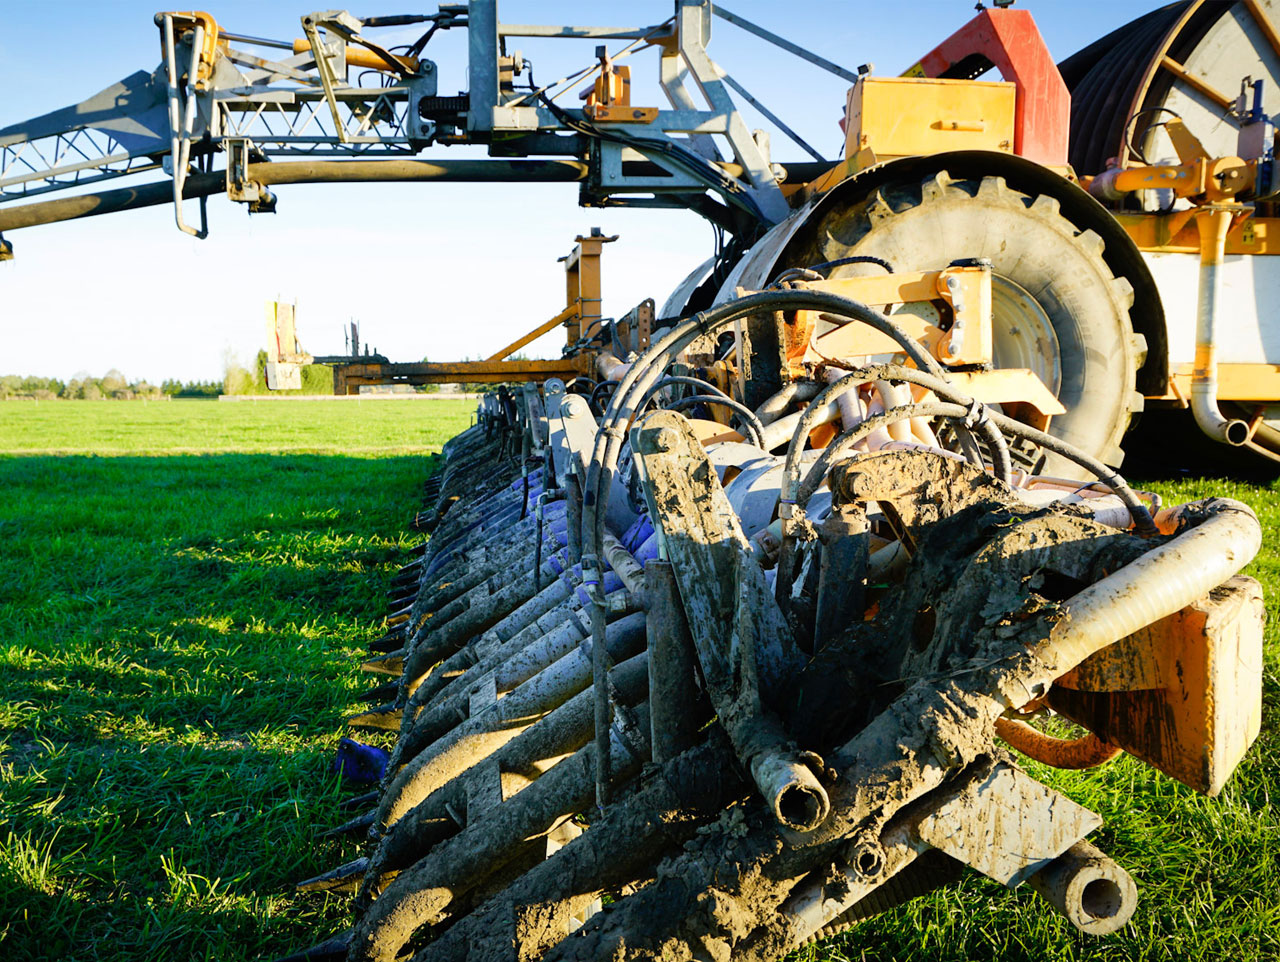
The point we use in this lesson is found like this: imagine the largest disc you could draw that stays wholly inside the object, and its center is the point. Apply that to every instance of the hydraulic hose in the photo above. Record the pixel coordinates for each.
(887, 372)
(745, 413)
(688, 381)
(714, 395)
(845, 442)
(775, 406)
(1087, 751)
(1138, 511)
(626, 402)
(1007, 425)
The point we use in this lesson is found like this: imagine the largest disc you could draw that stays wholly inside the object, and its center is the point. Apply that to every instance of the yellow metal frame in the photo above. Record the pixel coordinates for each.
(915, 116)
(580, 317)
(1176, 233)
(1236, 382)
(966, 290)
(347, 378)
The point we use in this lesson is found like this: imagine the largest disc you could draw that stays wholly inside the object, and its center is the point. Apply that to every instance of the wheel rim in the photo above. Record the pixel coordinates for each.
(1022, 335)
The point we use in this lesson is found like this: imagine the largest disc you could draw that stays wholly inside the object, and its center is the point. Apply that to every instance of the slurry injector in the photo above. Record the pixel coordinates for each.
(681, 676)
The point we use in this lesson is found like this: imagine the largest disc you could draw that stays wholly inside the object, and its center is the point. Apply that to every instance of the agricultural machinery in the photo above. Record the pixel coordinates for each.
(733, 616)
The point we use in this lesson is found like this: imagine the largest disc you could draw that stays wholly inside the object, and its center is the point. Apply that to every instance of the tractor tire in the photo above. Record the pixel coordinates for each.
(1056, 307)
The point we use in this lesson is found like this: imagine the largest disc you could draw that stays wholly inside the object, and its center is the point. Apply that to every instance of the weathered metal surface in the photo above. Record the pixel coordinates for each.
(1181, 694)
(1012, 829)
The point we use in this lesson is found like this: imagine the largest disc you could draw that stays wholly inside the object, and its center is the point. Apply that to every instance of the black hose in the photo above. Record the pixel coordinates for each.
(748, 416)
(640, 377)
(1006, 425)
(1001, 463)
(1142, 520)
(813, 478)
(625, 403)
(856, 259)
(700, 383)
(591, 401)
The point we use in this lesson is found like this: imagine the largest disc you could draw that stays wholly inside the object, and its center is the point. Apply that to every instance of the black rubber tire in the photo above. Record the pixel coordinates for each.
(1058, 265)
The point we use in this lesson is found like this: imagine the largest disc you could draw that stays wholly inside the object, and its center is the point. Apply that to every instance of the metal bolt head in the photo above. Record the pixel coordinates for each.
(666, 439)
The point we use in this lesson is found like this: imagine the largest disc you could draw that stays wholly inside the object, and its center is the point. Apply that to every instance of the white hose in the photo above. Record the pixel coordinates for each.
(780, 431)
(893, 396)
(1161, 582)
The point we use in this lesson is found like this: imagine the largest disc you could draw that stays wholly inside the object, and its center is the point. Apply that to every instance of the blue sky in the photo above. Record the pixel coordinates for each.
(441, 270)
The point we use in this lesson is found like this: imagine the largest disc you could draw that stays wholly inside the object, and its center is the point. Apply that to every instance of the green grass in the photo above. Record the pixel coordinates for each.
(179, 641)
(361, 427)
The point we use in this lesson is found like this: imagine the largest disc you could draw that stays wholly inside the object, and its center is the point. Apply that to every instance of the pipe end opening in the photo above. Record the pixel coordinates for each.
(1236, 432)
(1102, 899)
(801, 808)
(1104, 903)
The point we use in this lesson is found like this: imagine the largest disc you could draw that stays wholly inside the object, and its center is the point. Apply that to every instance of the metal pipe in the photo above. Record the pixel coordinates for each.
(299, 172)
(482, 734)
(699, 784)
(573, 492)
(674, 715)
(600, 665)
(776, 405)
(1095, 894)
(1161, 582)
(1087, 751)
(421, 893)
(511, 609)
(108, 202)
(625, 567)
(780, 431)
(1214, 221)
(372, 171)
(535, 750)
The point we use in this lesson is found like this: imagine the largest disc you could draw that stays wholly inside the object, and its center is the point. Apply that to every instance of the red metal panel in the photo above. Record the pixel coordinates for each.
(1012, 42)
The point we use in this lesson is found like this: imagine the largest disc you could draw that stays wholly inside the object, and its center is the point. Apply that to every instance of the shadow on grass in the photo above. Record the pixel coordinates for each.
(177, 650)
(1168, 446)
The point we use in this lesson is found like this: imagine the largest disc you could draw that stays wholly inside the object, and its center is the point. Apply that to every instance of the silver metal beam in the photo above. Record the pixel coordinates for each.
(786, 45)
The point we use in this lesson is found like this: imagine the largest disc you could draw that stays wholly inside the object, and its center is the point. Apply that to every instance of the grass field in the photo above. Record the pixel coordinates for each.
(178, 642)
(185, 588)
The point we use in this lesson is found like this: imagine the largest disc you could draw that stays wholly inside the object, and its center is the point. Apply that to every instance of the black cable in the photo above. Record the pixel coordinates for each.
(748, 416)
(423, 40)
(702, 384)
(1125, 146)
(591, 401)
(856, 259)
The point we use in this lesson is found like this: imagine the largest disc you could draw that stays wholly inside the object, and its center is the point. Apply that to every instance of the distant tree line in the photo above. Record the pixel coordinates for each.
(237, 379)
(84, 387)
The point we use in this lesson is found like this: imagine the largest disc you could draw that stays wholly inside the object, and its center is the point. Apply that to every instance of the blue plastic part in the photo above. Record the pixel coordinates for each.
(360, 763)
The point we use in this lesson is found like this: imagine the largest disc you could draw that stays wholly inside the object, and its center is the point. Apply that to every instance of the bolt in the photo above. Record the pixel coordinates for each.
(666, 439)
